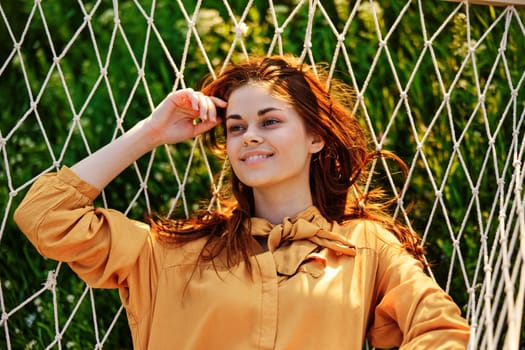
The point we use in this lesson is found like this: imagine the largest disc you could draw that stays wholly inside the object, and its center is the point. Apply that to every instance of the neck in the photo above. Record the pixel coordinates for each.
(274, 207)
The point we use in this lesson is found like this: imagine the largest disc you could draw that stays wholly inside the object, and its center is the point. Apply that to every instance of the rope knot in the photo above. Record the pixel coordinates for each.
(241, 29)
(51, 281)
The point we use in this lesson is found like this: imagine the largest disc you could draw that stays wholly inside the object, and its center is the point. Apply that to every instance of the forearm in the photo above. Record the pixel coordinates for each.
(101, 167)
(173, 121)
(58, 218)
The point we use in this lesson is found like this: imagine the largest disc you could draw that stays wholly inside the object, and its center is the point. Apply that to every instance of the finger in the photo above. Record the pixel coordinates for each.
(212, 112)
(203, 106)
(214, 103)
(183, 98)
(192, 96)
(204, 126)
(219, 102)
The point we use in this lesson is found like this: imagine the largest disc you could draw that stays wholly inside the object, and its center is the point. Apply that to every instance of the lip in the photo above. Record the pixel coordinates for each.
(255, 156)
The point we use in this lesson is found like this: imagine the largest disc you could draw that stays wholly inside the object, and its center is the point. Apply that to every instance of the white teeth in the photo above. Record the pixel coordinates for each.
(258, 156)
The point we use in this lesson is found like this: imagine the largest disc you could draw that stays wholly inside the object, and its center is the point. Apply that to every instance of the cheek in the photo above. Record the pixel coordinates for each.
(230, 146)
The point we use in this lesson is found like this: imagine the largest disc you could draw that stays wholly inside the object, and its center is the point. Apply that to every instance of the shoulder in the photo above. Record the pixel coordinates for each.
(377, 246)
(367, 233)
(374, 240)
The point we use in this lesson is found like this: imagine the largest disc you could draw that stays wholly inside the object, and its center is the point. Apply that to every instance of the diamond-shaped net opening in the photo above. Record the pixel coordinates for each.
(439, 83)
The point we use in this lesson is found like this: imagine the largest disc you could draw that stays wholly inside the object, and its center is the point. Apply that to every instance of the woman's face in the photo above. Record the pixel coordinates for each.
(267, 143)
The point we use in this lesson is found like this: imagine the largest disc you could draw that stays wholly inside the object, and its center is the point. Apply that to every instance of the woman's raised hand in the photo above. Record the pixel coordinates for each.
(182, 115)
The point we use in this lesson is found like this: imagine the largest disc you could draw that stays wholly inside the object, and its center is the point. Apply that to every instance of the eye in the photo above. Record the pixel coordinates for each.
(234, 129)
(270, 122)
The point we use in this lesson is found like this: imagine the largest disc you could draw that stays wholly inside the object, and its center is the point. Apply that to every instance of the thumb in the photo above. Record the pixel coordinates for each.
(205, 125)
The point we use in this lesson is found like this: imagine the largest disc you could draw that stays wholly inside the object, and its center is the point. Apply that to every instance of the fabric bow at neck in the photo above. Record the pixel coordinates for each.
(296, 238)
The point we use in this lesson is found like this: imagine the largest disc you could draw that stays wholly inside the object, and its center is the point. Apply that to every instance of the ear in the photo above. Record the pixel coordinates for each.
(317, 144)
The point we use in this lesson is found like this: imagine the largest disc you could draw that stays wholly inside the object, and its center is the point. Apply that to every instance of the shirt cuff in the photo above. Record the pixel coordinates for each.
(69, 177)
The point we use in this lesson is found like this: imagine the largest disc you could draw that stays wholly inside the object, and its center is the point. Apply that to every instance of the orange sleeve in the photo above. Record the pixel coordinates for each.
(412, 311)
(58, 217)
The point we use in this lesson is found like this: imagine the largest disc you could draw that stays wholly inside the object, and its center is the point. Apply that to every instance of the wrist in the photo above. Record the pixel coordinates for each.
(147, 135)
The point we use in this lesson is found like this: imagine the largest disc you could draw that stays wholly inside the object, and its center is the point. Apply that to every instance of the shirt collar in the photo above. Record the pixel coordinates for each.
(292, 241)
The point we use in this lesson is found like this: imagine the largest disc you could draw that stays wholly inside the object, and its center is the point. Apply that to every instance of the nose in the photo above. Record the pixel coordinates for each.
(250, 138)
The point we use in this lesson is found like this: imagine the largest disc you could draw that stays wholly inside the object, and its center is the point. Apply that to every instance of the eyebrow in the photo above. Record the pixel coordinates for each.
(259, 113)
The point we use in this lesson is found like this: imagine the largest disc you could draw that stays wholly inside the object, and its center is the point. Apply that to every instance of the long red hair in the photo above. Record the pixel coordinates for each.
(337, 172)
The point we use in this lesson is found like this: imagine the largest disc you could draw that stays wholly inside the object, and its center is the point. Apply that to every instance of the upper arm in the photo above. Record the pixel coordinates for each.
(412, 311)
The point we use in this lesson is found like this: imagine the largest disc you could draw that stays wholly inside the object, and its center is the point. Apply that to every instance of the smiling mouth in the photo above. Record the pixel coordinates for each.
(256, 157)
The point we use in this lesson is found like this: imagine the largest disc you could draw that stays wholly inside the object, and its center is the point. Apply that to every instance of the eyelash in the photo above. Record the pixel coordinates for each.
(270, 121)
(235, 128)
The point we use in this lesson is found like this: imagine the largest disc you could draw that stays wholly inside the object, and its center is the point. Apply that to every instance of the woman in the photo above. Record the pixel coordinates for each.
(298, 259)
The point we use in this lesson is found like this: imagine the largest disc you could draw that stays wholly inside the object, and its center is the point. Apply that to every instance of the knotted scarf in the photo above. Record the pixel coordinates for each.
(297, 238)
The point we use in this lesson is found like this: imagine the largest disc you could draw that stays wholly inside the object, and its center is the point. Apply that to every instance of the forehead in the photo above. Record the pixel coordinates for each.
(255, 96)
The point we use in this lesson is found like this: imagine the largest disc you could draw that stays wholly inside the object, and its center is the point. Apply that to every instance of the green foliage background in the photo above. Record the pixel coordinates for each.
(26, 154)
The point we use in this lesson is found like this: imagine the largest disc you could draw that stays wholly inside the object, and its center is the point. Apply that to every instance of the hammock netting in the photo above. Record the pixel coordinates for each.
(439, 83)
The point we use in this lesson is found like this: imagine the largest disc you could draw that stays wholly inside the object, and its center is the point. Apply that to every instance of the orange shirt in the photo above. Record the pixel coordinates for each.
(332, 288)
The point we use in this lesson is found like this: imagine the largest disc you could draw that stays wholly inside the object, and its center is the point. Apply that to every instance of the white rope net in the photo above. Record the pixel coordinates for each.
(439, 83)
